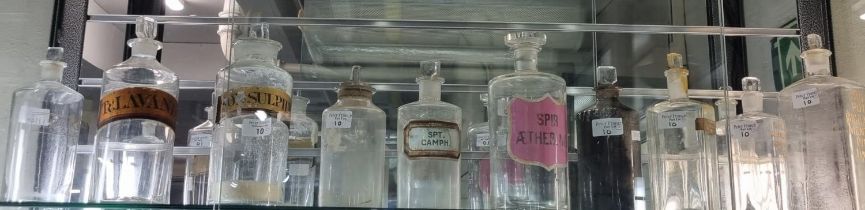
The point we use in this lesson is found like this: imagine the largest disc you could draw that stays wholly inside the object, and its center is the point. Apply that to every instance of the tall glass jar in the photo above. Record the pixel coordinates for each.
(352, 142)
(134, 143)
(682, 148)
(428, 145)
(301, 174)
(528, 120)
(250, 150)
(43, 133)
(195, 180)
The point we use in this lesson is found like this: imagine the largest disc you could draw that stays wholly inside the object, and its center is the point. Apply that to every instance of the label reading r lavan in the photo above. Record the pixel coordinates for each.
(430, 138)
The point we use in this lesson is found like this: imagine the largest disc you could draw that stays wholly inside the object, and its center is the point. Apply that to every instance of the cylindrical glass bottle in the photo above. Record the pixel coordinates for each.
(301, 174)
(195, 180)
(352, 149)
(43, 133)
(528, 120)
(134, 143)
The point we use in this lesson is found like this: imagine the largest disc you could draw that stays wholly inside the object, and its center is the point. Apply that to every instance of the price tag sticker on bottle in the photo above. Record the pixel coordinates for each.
(483, 139)
(298, 169)
(806, 98)
(255, 128)
(337, 119)
(200, 140)
(635, 135)
(607, 127)
(34, 116)
(675, 119)
(744, 129)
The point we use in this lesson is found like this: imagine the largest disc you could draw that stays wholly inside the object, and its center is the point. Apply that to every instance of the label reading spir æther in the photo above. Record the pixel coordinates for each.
(430, 138)
(138, 102)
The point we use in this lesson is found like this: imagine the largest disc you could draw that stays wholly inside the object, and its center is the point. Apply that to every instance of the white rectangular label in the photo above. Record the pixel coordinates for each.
(607, 127)
(745, 129)
(806, 98)
(34, 116)
(298, 169)
(337, 119)
(255, 128)
(431, 138)
(676, 119)
(635, 135)
(200, 140)
(483, 139)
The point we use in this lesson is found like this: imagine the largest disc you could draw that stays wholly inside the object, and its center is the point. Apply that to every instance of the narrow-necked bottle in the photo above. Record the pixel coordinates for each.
(301, 174)
(428, 136)
(352, 142)
(476, 173)
(759, 150)
(134, 143)
(825, 118)
(682, 148)
(195, 181)
(43, 133)
(726, 110)
(250, 148)
(605, 135)
(528, 120)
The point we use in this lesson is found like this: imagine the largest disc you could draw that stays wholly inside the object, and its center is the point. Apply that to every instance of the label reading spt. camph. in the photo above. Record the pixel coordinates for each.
(607, 127)
(138, 102)
(675, 119)
(245, 100)
(431, 138)
(538, 133)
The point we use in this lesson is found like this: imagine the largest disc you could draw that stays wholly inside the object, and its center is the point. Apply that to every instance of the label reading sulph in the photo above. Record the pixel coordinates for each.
(744, 129)
(200, 140)
(34, 116)
(538, 132)
(137, 103)
(635, 135)
(607, 127)
(255, 128)
(430, 138)
(301, 169)
(337, 119)
(806, 98)
(483, 139)
(677, 119)
(241, 100)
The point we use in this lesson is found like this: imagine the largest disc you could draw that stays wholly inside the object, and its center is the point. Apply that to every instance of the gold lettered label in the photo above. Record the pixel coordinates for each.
(431, 138)
(706, 125)
(138, 102)
(242, 100)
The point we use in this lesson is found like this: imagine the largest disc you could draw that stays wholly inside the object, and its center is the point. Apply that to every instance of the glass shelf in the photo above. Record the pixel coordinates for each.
(41, 205)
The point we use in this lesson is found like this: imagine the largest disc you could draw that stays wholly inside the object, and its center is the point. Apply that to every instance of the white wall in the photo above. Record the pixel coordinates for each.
(25, 27)
(849, 33)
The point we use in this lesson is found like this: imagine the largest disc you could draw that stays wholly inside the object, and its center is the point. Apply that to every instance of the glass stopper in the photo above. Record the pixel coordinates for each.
(54, 54)
(517, 39)
(485, 98)
(606, 75)
(750, 84)
(355, 73)
(145, 27)
(430, 69)
(260, 30)
(815, 41)
(674, 60)
(208, 109)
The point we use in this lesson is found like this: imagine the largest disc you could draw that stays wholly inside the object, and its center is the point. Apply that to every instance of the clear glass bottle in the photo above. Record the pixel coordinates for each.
(476, 173)
(353, 142)
(825, 118)
(43, 133)
(759, 151)
(528, 120)
(682, 148)
(195, 180)
(250, 150)
(726, 110)
(605, 135)
(428, 141)
(134, 143)
(301, 174)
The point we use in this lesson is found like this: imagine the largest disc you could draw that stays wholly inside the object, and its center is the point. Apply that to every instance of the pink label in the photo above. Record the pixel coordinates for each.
(538, 134)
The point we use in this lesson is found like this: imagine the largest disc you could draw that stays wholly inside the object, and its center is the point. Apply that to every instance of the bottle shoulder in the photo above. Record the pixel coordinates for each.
(433, 105)
(820, 82)
(516, 79)
(665, 106)
(367, 107)
(244, 75)
(59, 92)
(755, 116)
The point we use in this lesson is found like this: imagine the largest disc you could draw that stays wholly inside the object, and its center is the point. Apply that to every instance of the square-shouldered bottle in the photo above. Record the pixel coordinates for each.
(135, 141)
(825, 118)
(682, 148)
(605, 135)
(250, 148)
(528, 122)
(428, 146)
(43, 134)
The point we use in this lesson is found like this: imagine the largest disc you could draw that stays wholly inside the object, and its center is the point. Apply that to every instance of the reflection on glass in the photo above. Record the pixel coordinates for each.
(195, 180)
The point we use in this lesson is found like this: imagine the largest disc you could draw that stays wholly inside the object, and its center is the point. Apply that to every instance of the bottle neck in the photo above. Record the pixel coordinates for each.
(52, 70)
(298, 108)
(526, 59)
(817, 62)
(430, 89)
(257, 51)
(677, 84)
(144, 48)
(353, 100)
(607, 94)
(752, 101)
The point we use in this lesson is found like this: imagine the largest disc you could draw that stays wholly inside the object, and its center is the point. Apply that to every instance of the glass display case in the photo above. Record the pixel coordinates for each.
(323, 43)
